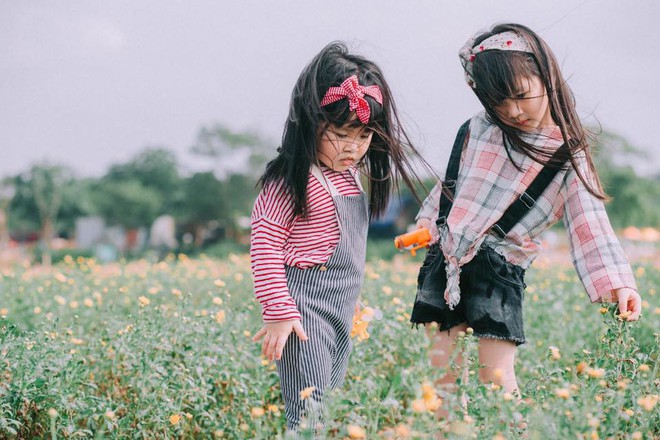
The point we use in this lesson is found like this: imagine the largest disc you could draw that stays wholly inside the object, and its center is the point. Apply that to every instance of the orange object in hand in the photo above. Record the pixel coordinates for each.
(414, 240)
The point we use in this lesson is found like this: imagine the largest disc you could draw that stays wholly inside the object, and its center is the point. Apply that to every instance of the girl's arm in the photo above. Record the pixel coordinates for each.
(271, 228)
(597, 254)
(270, 231)
(429, 212)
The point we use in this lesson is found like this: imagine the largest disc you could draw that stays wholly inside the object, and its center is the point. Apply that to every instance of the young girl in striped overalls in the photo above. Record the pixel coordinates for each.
(515, 169)
(309, 223)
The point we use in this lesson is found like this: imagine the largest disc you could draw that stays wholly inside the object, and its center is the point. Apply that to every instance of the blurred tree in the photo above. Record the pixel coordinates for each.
(634, 198)
(39, 196)
(7, 191)
(239, 159)
(203, 201)
(234, 152)
(128, 203)
(155, 169)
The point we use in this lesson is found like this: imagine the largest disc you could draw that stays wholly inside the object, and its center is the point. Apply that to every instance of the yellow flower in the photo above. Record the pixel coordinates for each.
(175, 419)
(356, 432)
(273, 409)
(144, 301)
(257, 412)
(402, 431)
(110, 414)
(217, 301)
(648, 402)
(418, 405)
(219, 283)
(360, 330)
(52, 413)
(596, 373)
(220, 316)
(581, 367)
(88, 302)
(431, 401)
(4, 312)
(60, 300)
(554, 352)
(644, 368)
(602, 310)
(563, 393)
(305, 393)
(637, 435)
(624, 315)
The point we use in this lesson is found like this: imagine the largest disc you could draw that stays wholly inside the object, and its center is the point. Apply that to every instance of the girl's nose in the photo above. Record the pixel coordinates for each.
(511, 109)
(351, 145)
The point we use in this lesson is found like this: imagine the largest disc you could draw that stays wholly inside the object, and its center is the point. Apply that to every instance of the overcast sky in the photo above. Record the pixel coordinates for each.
(90, 83)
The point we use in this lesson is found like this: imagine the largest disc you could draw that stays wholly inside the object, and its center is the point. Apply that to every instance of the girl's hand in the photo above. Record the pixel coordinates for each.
(630, 303)
(430, 225)
(275, 335)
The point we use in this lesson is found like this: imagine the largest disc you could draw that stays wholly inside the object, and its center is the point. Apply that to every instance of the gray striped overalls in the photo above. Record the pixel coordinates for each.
(325, 296)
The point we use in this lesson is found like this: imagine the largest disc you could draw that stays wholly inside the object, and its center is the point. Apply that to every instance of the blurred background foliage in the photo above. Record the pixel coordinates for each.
(46, 199)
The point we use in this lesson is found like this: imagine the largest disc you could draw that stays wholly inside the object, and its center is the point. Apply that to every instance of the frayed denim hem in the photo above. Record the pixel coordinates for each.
(517, 341)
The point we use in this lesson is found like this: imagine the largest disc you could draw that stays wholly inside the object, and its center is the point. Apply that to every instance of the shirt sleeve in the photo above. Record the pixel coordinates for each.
(271, 227)
(431, 204)
(597, 254)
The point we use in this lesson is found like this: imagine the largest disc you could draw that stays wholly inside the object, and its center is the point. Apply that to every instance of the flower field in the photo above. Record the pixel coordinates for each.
(146, 350)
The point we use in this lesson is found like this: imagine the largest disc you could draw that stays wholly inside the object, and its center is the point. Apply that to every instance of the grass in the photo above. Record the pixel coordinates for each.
(141, 349)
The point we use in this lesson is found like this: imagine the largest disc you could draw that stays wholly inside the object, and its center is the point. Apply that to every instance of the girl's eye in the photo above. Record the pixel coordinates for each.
(521, 95)
(340, 135)
(365, 135)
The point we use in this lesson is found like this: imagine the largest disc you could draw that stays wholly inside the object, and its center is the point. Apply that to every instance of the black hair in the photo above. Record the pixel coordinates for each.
(495, 74)
(386, 160)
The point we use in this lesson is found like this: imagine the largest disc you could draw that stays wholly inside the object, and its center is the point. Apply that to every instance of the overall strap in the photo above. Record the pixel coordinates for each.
(451, 175)
(326, 183)
(524, 203)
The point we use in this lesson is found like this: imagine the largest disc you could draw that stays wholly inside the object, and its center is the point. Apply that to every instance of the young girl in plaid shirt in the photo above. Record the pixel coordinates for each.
(529, 116)
(310, 220)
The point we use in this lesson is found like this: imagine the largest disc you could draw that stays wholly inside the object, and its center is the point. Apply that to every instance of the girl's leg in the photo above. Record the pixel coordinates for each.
(497, 360)
(443, 345)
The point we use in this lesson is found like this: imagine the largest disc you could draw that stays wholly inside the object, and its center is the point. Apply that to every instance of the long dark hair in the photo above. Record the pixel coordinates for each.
(386, 160)
(495, 73)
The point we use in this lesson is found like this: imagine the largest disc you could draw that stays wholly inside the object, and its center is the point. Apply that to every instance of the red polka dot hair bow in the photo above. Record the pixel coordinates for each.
(354, 92)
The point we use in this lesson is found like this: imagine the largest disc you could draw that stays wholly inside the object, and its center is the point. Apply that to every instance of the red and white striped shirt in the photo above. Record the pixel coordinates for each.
(277, 241)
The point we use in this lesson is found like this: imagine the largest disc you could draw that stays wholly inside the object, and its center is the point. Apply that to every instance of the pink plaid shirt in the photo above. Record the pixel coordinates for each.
(488, 182)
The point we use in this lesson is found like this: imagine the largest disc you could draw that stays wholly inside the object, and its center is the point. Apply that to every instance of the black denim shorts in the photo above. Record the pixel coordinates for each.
(491, 296)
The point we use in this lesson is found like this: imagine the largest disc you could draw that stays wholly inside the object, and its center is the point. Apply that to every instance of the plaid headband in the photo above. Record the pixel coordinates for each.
(508, 40)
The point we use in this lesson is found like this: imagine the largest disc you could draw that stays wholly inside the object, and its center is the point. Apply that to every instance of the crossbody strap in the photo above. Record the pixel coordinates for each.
(449, 184)
(524, 203)
(519, 208)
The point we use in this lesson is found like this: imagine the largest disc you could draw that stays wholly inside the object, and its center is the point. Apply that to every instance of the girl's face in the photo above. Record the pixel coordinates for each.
(343, 146)
(528, 109)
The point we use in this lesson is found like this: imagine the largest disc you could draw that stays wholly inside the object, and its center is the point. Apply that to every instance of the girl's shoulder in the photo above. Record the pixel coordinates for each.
(480, 124)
